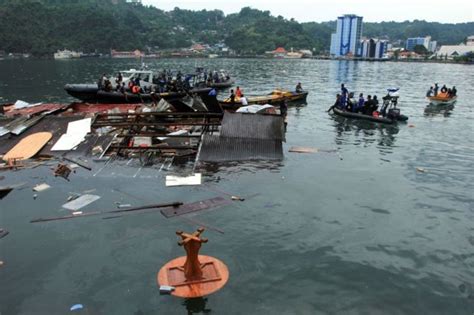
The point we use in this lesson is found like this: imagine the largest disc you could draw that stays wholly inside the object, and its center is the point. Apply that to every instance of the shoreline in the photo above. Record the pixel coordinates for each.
(252, 57)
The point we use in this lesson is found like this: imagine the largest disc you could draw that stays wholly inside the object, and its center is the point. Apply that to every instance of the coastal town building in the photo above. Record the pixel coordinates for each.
(67, 54)
(452, 51)
(346, 40)
(126, 54)
(470, 40)
(373, 48)
(412, 42)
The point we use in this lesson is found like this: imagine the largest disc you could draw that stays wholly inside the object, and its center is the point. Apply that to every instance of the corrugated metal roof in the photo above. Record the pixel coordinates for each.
(253, 126)
(221, 149)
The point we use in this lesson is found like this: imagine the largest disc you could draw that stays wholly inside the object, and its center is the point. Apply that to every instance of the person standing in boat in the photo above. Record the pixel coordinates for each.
(232, 97)
(444, 89)
(436, 88)
(299, 88)
(238, 92)
(344, 95)
(454, 91)
(430, 92)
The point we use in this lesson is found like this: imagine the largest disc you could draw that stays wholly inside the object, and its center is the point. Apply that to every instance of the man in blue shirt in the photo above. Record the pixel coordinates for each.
(344, 93)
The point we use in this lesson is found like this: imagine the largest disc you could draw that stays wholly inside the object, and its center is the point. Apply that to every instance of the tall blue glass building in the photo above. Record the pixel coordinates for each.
(346, 40)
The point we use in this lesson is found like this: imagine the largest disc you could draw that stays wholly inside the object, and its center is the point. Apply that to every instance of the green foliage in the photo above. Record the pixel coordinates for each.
(43, 26)
(420, 49)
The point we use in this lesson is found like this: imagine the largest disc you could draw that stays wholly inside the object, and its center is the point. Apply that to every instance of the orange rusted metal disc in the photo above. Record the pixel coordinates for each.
(214, 277)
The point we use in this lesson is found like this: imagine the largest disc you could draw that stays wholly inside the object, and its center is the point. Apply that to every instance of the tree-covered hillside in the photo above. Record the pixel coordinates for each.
(43, 26)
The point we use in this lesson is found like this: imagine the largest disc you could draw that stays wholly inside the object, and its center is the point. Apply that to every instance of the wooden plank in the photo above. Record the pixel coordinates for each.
(29, 146)
(196, 206)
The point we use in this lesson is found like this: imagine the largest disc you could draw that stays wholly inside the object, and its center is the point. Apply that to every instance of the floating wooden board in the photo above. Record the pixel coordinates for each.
(195, 206)
(303, 150)
(29, 146)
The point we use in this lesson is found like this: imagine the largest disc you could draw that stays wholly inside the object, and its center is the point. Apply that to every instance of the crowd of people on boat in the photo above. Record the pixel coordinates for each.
(444, 92)
(347, 102)
(211, 76)
(162, 82)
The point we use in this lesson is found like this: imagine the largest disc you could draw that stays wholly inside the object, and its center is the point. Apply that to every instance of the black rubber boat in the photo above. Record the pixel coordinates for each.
(389, 112)
(347, 114)
(222, 85)
(91, 93)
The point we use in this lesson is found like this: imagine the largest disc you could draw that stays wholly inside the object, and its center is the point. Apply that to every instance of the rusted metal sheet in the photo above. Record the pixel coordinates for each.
(196, 206)
(43, 108)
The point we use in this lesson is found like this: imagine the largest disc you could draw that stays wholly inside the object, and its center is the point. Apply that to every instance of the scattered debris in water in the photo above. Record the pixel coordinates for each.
(76, 307)
(172, 180)
(41, 187)
(3, 233)
(63, 170)
(80, 202)
(166, 289)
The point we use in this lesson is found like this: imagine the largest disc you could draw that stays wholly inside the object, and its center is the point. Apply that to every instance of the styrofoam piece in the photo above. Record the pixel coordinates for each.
(80, 202)
(41, 187)
(172, 180)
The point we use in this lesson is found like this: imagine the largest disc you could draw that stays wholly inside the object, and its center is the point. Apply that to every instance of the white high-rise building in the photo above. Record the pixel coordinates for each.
(346, 40)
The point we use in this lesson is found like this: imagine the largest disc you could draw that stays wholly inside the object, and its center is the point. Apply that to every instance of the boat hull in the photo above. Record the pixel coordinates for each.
(91, 93)
(347, 114)
(222, 85)
(290, 97)
(442, 100)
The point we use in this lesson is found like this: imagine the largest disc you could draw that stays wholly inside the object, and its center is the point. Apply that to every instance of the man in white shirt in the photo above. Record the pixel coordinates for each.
(243, 100)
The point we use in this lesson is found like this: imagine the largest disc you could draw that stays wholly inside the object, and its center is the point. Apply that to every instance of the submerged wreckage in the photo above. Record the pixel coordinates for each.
(190, 127)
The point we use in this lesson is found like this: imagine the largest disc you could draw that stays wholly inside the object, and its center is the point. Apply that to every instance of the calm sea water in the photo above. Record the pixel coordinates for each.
(355, 231)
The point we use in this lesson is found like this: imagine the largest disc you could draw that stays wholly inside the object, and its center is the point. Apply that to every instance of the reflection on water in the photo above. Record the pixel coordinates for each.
(358, 131)
(438, 110)
(196, 306)
(214, 170)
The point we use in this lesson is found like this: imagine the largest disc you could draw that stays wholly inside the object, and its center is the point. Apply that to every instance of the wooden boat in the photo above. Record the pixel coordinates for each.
(440, 100)
(276, 97)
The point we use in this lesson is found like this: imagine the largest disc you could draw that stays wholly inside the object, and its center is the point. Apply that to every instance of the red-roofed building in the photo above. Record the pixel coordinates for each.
(280, 52)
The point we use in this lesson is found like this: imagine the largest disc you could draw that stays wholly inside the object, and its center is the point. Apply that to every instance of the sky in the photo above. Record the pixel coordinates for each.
(452, 11)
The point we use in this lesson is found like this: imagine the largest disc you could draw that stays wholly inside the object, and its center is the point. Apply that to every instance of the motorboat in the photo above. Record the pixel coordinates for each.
(389, 112)
(150, 89)
(442, 100)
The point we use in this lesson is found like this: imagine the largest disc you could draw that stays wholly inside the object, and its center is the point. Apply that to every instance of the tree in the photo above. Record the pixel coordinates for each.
(420, 50)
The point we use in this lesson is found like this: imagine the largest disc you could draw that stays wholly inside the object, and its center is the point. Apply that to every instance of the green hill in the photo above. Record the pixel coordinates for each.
(41, 27)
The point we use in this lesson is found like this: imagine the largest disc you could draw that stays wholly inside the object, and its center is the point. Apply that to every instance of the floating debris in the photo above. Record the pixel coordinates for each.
(172, 180)
(421, 170)
(303, 150)
(196, 206)
(79, 214)
(41, 187)
(3, 233)
(76, 307)
(80, 202)
(237, 198)
(62, 170)
(166, 289)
